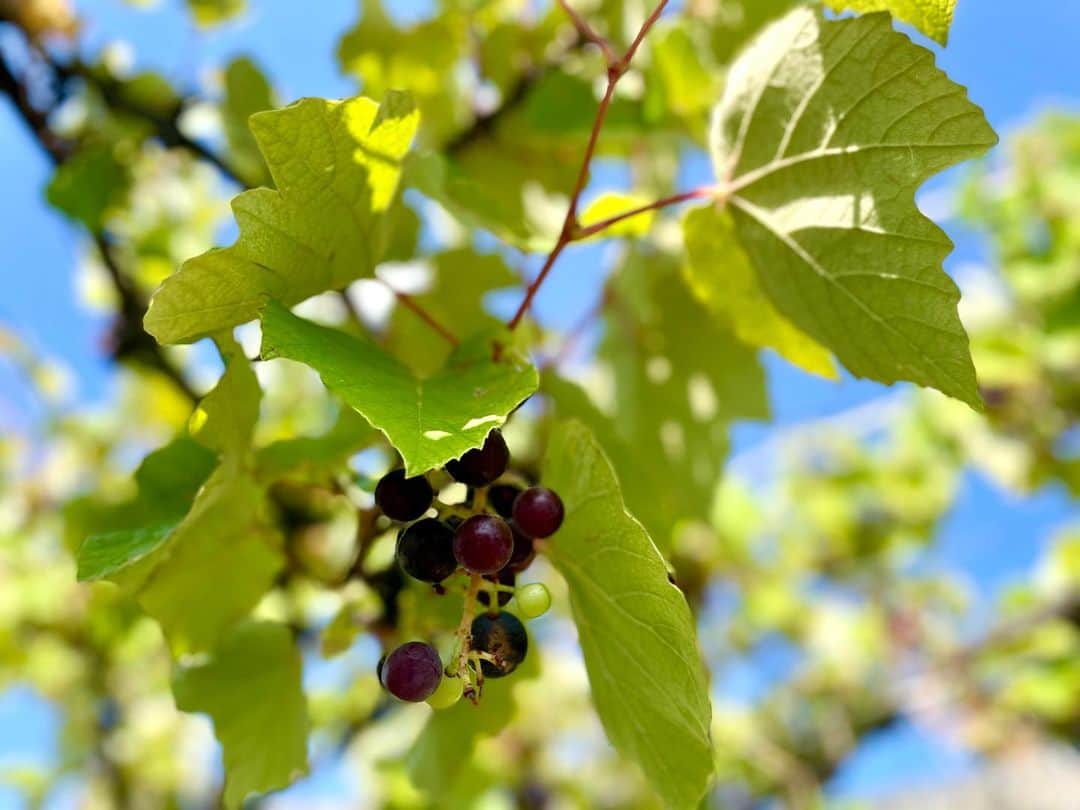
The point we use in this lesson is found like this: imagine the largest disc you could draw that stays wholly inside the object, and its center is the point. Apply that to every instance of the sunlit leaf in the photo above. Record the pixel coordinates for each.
(932, 17)
(720, 274)
(824, 134)
(336, 166)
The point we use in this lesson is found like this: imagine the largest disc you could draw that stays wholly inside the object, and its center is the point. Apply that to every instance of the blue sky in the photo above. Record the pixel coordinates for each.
(1016, 60)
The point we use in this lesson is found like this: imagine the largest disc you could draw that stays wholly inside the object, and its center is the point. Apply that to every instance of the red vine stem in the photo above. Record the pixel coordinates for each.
(410, 304)
(675, 199)
(571, 231)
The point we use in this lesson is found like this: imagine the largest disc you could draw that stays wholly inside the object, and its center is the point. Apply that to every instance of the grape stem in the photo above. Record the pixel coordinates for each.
(571, 229)
(464, 630)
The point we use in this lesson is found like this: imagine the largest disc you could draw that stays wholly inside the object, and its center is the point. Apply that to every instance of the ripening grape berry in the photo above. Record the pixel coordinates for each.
(524, 550)
(501, 497)
(448, 693)
(412, 672)
(504, 577)
(403, 499)
(483, 544)
(425, 550)
(482, 465)
(502, 636)
(533, 600)
(538, 512)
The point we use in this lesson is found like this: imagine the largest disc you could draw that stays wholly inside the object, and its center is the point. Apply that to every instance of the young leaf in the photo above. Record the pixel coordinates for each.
(429, 420)
(720, 274)
(932, 17)
(635, 628)
(824, 133)
(251, 689)
(336, 166)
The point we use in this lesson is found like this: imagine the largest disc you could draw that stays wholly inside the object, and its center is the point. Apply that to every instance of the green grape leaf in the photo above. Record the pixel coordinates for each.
(823, 135)
(336, 166)
(611, 203)
(251, 688)
(225, 419)
(214, 567)
(932, 17)
(246, 92)
(429, 420)
(460, 281)
(721, 276)
(104, 554)
(636, 631)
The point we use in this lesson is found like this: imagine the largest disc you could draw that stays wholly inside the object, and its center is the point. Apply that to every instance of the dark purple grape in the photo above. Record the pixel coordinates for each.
(402, 498)
(504, 577)
(538, 512)
(524, 550)
(483, 544)
(502, 636)
(501, 497)
(412, 671)
(425, 550)
(482, 465)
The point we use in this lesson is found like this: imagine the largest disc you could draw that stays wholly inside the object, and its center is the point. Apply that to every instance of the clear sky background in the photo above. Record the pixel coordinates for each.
(1016, 59)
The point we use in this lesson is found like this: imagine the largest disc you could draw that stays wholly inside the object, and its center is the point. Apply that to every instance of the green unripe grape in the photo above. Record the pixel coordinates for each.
(533, 600)
(448, 693)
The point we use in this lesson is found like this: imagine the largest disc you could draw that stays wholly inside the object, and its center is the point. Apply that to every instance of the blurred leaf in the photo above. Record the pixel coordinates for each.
(824, 134)
(325, 225)
(225, 419)
(214, 12)
(431, 420)
(214, 568)
(720, 274)
(634, 626)
(314, 457)
(246, 92)
(104, 554)
(932, 17)
(612, 203)
(251, 689)
(88, 184)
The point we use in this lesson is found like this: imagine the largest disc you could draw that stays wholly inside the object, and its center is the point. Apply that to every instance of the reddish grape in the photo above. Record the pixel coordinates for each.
(524, 550)
(483, 544)
(538, 512)
(482, 465)
(403, 499)
(412, 672)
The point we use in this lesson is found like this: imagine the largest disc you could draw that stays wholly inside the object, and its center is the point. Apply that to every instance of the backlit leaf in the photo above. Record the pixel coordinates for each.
(336, 166)
(824, 134)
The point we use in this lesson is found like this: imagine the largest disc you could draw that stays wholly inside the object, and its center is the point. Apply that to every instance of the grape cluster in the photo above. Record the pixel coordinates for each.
(485, 542)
